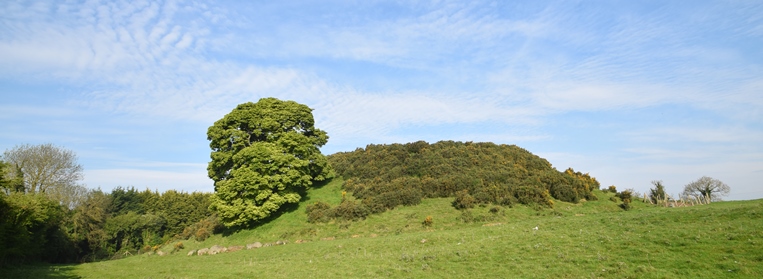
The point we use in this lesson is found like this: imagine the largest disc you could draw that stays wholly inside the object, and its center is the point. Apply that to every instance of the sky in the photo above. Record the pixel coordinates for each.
(628, 91)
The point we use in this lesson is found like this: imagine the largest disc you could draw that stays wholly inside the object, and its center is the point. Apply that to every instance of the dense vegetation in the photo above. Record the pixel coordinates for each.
(385, 176)
(34, 227)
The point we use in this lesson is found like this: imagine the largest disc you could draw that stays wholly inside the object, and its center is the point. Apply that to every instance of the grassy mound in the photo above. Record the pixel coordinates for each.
(382, 177)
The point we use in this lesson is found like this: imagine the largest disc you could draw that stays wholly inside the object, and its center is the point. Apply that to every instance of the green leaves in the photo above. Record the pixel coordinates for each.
(263, 155)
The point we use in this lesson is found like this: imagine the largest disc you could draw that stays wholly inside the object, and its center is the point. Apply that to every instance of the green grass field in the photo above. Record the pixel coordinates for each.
(594, 239)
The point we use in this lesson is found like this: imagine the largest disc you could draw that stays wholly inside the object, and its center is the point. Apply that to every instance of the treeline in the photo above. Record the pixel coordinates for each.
(34, 227)
(385, 176)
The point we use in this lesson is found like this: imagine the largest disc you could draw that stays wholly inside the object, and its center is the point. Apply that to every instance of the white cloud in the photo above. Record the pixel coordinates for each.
(446, 63)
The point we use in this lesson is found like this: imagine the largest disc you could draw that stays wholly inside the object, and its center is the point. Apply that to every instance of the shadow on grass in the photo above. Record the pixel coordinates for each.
(42, 271)
(286, 208)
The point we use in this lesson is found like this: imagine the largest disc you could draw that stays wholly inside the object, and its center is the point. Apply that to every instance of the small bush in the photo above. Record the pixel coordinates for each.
(625, 196)
(202, 234)
(428, 221)
(350, 210)
(626, 206)
(373, 206)
(591, 196)
(533, 196)
(464, 200)
(178, 246)
(611, 189)
(318, 212)
(203, 229)
(495, 209)
(564, 192)
(466, 216)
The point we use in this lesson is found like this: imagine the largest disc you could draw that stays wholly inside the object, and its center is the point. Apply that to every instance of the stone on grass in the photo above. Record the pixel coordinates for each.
(202, 251)
(254, 245)
(217, 249)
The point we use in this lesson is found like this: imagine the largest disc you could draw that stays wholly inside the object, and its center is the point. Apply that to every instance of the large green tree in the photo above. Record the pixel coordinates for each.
(263, 155)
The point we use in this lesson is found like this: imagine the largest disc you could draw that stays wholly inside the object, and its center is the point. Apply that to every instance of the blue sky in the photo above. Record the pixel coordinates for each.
(630, 91)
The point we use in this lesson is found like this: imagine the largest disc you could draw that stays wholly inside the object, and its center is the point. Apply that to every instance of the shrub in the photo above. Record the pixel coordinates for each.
(202, 234)
(203, 229)
(428, 221)
(565, 192)
(625, 196)
(495, 209)
(401, 197)
(318, 212)
(533, 195)
(591, 196)
(626, 206)
(466, 216)
(464, 200)
(611, 189)
(350, 210)
(178, 246)
(374, 206)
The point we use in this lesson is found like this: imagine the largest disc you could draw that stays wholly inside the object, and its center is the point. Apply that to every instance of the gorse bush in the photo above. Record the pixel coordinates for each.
(565, 192)
(203, 229)
(464, 200)
(385, 176)
(351, 210)
(428, 222)
(318, 212)
(625, 196)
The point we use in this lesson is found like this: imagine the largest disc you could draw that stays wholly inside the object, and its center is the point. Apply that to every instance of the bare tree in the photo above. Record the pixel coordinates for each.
(47, 169)
(707, 188)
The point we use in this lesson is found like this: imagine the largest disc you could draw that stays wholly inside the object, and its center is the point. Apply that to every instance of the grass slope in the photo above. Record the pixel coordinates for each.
(588, 240)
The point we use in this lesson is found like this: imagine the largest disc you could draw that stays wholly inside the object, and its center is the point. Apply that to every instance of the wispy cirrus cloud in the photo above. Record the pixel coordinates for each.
(388, 72)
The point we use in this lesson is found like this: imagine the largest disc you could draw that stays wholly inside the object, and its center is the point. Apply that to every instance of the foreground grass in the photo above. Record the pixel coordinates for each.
(589, 240)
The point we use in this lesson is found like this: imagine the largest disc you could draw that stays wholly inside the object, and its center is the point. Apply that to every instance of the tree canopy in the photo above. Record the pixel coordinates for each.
(47, 169)
(264, 155)
(707, 188)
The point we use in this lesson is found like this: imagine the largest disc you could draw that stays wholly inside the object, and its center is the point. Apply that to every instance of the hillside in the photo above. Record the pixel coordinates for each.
(386, 176)
(592, 239)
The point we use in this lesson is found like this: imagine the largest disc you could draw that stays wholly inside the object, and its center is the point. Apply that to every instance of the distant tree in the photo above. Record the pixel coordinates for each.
(657, 193)
(263, 155)
(48, 169)
(707, 188)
